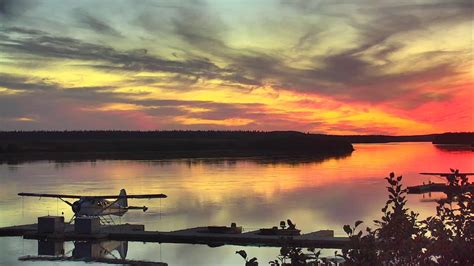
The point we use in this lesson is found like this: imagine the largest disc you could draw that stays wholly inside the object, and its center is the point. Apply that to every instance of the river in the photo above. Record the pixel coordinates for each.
(254, 193)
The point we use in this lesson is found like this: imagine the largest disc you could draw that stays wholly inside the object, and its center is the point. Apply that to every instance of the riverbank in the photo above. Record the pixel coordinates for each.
(22, 146)
(149, 145)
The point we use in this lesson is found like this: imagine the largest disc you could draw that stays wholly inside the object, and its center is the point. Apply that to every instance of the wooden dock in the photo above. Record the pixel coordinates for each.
(197, 235)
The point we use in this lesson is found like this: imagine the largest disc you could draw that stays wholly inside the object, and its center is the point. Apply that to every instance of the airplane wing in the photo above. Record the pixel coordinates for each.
(64, 196)
(445, 174)
(432, 199)
(140, 196)
(41, 195)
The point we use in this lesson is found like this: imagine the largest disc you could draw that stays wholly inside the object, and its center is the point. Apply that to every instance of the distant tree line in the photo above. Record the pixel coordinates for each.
(226, 143)
(455, 138)
(191, 143)
(386, 138)
(107, 134)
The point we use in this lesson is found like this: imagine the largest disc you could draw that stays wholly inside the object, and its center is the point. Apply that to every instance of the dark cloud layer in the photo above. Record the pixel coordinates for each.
(344, 74)
(95, 24)
(191, 43)
(41, 44)
(53, 102)
(11, 8)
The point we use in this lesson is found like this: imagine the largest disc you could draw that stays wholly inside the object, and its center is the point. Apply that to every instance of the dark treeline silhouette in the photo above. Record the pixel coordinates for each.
(34, 145)
(125, 134)
(193, 134)
(455, 138)
(386, 138)
(120, 144)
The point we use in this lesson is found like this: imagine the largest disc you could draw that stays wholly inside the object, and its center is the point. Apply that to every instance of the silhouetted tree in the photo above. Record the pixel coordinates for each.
(400, 239)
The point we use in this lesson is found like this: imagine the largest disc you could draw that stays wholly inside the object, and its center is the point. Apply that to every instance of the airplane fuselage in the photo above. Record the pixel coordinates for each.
(97, 207)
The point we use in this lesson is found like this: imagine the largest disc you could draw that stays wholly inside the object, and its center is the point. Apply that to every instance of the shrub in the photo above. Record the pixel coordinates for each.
(400, 239)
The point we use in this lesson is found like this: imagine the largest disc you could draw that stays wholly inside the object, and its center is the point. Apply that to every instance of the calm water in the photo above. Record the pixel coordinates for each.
(252, 193)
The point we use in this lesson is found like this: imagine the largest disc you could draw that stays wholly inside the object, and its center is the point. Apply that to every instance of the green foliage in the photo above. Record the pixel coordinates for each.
(296, 257)
(451, 230)
(400, 239)
(248, 262)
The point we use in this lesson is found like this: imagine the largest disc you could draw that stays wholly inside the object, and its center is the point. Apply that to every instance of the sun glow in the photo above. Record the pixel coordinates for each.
(367, 72)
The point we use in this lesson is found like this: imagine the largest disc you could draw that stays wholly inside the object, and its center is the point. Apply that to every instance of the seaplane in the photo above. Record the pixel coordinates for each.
(104, 252)
(441, 187)
(99, 206)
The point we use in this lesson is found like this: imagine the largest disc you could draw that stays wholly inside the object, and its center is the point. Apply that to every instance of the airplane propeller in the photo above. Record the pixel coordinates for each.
(67, 202)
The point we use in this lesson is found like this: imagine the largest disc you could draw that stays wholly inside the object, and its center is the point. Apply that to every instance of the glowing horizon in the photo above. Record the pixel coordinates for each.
(315, 66)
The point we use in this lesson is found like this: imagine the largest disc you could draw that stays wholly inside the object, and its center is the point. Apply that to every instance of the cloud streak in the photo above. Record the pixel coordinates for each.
(95, 24)
(388, 58)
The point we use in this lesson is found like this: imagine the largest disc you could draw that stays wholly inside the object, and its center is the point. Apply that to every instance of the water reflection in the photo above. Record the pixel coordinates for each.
(294, 159)
(460, 148)
(315, 195)
(109, 252)
(50, 248)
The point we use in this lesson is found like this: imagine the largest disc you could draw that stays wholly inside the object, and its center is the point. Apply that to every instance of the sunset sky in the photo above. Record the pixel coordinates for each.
(338, 67)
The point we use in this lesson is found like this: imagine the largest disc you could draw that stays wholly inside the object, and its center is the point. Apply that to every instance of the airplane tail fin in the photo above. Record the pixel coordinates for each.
(123, 201)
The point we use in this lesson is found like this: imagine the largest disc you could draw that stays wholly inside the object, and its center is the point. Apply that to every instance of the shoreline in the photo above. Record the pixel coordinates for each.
(64, 146)
(18, 158)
